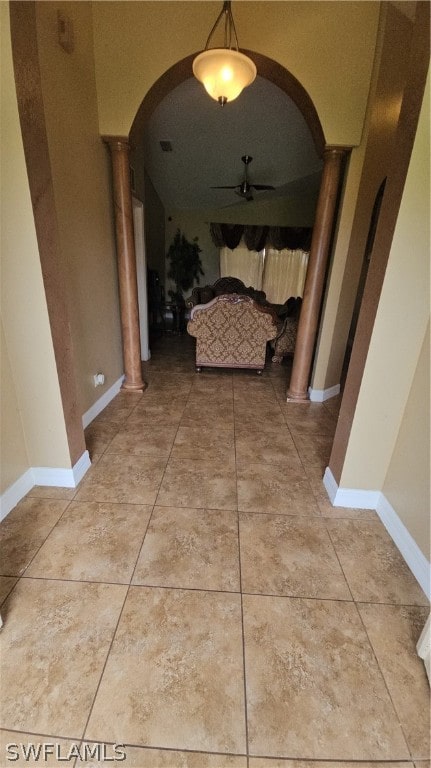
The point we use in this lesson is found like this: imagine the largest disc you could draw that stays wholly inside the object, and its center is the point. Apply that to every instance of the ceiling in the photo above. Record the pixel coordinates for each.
(208, 141)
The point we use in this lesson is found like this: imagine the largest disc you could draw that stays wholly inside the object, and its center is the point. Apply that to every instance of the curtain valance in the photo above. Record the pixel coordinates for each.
(258, 237)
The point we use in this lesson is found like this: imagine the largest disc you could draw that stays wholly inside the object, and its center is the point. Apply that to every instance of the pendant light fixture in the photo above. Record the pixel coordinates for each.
(224, 72)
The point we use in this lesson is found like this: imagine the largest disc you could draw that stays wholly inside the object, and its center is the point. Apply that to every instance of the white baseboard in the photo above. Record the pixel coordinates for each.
(352, 498)
(52, 476)
(102, 402)
(403, 540)
(320, 395)
(12, 495)
(414, 557)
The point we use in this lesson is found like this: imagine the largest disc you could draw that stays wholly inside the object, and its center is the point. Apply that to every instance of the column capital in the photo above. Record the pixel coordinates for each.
(332, 150)
(117, 143)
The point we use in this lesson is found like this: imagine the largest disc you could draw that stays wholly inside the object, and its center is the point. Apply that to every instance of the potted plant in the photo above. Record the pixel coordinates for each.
(185, 266)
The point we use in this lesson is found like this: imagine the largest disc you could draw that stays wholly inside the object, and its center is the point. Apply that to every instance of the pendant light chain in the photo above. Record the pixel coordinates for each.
(229, 26)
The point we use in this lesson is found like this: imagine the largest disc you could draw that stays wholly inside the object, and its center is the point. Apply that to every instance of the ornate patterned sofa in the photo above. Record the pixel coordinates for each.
(204, 294)
(284, 343)
(287, 314)
(232, 331)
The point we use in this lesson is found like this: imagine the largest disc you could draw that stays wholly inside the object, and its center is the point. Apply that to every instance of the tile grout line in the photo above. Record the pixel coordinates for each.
(385, 683)
(241, 599)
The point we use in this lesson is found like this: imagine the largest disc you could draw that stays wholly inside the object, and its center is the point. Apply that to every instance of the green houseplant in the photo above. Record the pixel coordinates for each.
(185, 265)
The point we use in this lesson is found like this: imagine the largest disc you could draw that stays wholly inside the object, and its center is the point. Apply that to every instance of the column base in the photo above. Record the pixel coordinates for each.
(139, 387)
(297, 397)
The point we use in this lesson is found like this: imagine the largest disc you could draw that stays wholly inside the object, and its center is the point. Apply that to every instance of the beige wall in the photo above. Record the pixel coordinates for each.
(368, 166)
(395, 348)
(13, 451)
(136, 42)
(407, 482)
(31, 402)
(81, 178)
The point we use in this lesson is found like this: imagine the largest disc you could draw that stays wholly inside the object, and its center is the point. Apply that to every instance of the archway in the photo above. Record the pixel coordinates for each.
(326, 208)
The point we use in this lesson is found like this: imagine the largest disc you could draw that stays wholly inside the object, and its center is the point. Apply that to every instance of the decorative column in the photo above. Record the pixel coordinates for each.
(313, 289)
(126, 258)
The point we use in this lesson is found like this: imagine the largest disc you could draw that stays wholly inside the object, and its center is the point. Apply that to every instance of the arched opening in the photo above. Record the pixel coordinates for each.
(266, 67)
(275, 73)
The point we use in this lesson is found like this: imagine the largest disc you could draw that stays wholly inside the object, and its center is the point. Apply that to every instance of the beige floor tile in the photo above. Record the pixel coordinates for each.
(139, 757)
(93, 542)
(275, 448)
(209, 412)
(24, 530)
(169, 396)
(116, 412)
(266, 488)
(99, 435)
(176, 668)
(206, 442)
(190, 548)
(54, 642)
(6, 585)
(306, 412)
(213, 396)
(372, 564)
(198, 484)
(157, 413)
(210, 385)
(248, 397)
(309, 419)
(314, 451)
(51, 492)
(292, 556)
(333, 405)
(177, 384)
(138, 439)
(124, 399)
(257, 414)
(313, 686)
(123, 479)
(26, 749)
(394, 632)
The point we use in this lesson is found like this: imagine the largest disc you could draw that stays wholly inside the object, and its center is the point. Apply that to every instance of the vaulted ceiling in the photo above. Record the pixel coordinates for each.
(208, 142)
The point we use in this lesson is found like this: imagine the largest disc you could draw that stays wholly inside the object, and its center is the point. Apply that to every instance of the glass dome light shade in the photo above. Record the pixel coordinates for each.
(223, 72)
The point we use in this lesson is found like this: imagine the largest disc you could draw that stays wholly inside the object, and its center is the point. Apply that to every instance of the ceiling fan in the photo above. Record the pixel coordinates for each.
(244, 188)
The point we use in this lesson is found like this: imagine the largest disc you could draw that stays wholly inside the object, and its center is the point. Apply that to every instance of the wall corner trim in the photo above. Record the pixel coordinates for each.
(52, 476)
(102, 402)
(359, 499)
(351, 498)
(320, 395)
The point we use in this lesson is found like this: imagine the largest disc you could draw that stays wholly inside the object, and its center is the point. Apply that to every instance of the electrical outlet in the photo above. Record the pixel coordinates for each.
(99, 379)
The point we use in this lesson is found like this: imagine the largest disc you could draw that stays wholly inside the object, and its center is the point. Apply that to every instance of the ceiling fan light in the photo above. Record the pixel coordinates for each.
(224, 73)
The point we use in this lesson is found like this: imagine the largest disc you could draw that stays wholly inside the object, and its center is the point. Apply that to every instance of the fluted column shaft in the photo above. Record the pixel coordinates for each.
(313, 289)
(126, 257)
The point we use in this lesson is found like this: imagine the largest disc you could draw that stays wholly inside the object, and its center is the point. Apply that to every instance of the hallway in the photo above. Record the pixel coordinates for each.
(198, 599)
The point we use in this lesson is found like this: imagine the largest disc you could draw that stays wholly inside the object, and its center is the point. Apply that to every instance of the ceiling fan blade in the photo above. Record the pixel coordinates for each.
(233, 186)
(262, 186)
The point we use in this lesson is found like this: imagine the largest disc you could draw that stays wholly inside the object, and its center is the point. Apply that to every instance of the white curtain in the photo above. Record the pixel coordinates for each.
(284, 274)
(242, 263)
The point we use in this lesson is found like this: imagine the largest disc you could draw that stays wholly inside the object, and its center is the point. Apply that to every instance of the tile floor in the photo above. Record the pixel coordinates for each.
(198, 599)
